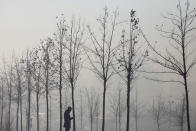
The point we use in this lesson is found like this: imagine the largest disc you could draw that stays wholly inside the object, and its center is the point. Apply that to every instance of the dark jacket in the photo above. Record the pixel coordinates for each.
(67, 119)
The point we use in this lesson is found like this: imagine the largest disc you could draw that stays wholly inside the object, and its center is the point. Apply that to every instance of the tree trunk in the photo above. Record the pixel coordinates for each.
(119, 112)
(187, 104)
(29, 105)
(2, 106)
(136, 115)
(103, 116)
(97, 124)
(50, 113)
(158, 126)
(60, 106)
(73, 106)
(116, 122)
(46, 86)
(119, 123)
(9, 109)
(128, 99)
(37, 104)
(81, 111)
(47, 105)
(17, 112)
(91, 123)
(185, 82)
(60, 85)
(21, 123)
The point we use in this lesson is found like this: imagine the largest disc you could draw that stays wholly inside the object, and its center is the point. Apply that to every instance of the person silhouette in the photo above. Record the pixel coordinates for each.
(67, 119)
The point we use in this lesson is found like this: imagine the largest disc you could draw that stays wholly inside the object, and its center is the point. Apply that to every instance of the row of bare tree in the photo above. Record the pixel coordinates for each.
(58, 60)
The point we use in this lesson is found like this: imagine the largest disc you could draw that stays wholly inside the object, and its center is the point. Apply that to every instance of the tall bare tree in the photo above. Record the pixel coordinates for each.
(176, 59)
(37, 71)
(60, 37)
(8, 75)
(28, 75)
(73, 62)
(19, 73)
(101, 52)
(46, 49)
(130, 58)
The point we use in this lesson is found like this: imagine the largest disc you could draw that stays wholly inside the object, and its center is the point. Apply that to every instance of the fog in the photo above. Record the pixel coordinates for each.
(23, 23)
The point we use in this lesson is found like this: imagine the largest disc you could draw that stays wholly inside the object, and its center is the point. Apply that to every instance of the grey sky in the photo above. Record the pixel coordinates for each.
(24, 22)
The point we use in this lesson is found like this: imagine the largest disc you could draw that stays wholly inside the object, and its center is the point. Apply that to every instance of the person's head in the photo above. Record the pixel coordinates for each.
(69, 108)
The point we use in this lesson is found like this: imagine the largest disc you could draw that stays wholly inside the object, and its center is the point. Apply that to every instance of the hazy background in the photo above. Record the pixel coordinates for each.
(24, 22)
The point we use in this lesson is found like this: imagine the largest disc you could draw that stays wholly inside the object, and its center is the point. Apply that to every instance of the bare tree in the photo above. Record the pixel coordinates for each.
(28, 75)
(19, 83)
(102, 52)
(46, 48)
(130, 58)
(18, 78)
(37, 71)
(60, 37)
(158, 112)
(176, 59)
(73, 62)
(8, 75)
(2, 102)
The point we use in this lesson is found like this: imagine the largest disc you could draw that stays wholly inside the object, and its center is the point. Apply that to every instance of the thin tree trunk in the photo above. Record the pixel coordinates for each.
(9, 109)
(46, 86)
(128, 100)
(136, 117)
(47, 106)
(185, 82)
(81, 115)
(29, 103)
(2, 106)
(47, 112)
(103, 116)
(26, 117)
(116, 122)
(119, 123)
(91, 123)
(158, 126)
(37, 103)
(119, 112)
(50, 113)
(17, 112)
(21, 123)
(73, 106)
(187, 104)
(60, 85)
(60, 106)
(97, 125)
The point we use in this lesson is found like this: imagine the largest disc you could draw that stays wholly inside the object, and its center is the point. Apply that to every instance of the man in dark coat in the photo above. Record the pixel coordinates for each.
(67, 119)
